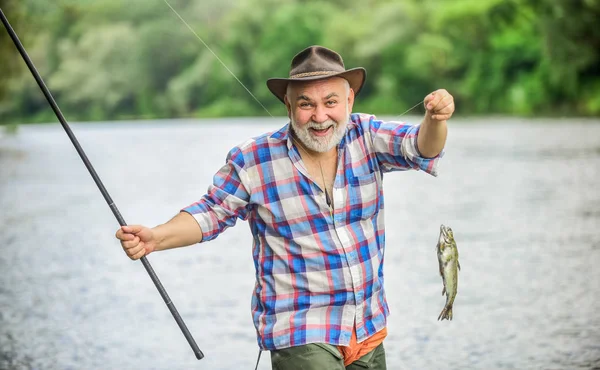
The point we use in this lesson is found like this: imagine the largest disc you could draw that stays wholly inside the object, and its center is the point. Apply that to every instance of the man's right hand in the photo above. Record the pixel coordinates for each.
(136, 240)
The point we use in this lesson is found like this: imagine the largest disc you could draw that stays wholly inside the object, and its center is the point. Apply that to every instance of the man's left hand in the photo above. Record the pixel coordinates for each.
(439, 105)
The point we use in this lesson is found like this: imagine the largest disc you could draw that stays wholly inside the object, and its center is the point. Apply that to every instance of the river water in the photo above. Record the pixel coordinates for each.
(523, 198)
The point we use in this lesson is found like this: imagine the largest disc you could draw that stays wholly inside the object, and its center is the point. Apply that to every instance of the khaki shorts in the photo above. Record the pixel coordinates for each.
(320, 356)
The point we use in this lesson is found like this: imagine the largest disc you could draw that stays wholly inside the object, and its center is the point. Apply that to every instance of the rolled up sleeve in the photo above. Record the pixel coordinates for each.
(225, 201)
(410, 151)
(395, 145)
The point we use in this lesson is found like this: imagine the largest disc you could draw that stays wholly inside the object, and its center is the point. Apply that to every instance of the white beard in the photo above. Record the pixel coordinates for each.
(317, 143)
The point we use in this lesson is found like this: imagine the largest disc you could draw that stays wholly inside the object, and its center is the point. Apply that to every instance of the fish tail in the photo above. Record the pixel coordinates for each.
(446, 313)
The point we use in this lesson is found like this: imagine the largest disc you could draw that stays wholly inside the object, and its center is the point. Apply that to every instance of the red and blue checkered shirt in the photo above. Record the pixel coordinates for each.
(318, 273)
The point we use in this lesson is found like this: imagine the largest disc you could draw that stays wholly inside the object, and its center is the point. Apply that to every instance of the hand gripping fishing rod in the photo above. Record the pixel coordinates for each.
(109, 201)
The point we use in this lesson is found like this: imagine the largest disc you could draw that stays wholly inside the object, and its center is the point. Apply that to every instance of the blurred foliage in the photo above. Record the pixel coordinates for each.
(9, 63)
(114, 59)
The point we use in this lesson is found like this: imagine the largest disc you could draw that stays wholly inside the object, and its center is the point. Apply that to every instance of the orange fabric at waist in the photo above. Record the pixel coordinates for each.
(356, 350)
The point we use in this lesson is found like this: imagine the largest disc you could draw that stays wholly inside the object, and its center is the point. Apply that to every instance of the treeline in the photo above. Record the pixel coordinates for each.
(115, 59)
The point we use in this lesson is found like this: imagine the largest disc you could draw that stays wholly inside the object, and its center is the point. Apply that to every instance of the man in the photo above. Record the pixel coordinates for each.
(312, 194)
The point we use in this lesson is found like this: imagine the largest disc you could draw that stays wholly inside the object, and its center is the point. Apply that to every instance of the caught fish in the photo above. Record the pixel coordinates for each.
(447, 254)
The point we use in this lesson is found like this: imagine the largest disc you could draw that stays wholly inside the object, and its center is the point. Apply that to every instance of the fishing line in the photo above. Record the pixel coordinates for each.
(216, 56)
(231, 72)
(413, 107)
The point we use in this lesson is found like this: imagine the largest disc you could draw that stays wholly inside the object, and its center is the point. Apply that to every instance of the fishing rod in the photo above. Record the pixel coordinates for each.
(88, 165)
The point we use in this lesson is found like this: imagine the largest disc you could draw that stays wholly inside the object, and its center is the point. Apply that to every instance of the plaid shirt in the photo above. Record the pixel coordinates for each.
(318, 273)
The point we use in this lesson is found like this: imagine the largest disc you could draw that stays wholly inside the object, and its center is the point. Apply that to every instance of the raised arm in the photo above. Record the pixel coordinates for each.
(434, 130)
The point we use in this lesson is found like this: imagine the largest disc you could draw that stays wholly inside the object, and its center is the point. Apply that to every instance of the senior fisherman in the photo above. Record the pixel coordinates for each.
(312, 193)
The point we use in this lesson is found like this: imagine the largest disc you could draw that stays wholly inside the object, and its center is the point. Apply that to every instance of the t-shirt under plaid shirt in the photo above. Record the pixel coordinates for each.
(318, 272)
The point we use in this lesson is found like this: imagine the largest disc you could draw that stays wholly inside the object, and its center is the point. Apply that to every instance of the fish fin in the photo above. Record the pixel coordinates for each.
(444, 290)
(458, 264)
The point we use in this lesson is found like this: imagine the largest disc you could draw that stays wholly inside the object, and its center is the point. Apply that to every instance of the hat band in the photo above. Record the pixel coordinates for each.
(317, 73)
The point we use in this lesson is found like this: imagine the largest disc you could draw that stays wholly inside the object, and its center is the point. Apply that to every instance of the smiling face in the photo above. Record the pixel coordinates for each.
(319, 111)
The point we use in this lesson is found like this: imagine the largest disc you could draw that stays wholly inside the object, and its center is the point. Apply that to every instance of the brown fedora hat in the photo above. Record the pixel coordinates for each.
(316, 63)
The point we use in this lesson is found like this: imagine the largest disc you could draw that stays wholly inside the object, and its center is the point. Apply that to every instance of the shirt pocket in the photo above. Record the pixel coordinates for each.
(364, 195)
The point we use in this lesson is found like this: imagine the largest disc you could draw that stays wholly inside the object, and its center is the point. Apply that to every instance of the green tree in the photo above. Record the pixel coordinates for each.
(9, 57)
(97, 74)
(109, 59)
